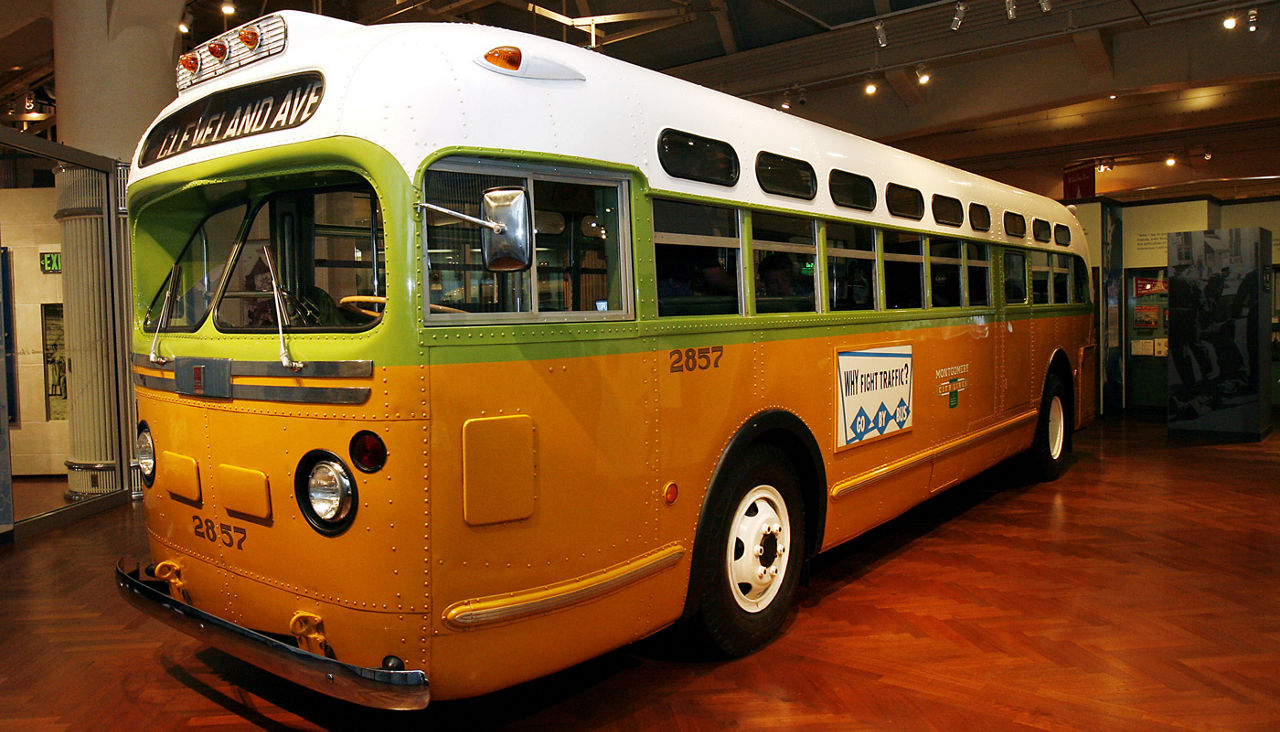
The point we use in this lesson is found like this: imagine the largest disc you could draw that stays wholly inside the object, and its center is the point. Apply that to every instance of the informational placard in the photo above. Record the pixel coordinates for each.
(1146, 316)
(874, 388)
(1143, 286)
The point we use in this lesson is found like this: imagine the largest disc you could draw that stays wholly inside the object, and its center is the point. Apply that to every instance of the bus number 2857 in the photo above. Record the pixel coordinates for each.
(695, 359)
(226, 534)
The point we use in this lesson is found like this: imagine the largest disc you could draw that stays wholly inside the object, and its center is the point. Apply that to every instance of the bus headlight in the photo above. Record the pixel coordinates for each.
(326, 492)
(145, 447)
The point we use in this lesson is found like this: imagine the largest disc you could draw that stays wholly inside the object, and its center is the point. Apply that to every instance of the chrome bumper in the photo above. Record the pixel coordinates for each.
(372, 687)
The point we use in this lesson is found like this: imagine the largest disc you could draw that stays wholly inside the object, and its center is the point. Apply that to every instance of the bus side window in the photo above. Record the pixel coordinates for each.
(1040, 278)
(1061, 278)
(785, 263)
(1079, 280)
(851, 259)
(577, 245)
(979, 273)
(1015, 277)
(695, 249)
(944, 273)
(458, 282)
(903, 270)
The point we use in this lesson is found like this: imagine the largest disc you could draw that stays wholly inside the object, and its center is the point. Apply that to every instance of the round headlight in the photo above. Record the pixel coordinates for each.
(329, 491)
(326, 492)
(145, 447)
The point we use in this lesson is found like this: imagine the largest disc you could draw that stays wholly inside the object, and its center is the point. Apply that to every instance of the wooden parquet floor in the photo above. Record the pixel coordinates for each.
(1141, 591)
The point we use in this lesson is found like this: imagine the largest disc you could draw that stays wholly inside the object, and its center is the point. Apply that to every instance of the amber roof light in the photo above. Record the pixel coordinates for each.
(505, 57)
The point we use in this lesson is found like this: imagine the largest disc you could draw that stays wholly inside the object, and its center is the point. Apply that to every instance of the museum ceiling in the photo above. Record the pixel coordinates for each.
(1019, 89)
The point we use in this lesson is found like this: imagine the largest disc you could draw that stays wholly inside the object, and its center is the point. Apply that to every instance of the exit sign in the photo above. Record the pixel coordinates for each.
(50, 262)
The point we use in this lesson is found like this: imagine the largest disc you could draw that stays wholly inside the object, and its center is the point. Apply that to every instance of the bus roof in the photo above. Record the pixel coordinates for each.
(417, 88)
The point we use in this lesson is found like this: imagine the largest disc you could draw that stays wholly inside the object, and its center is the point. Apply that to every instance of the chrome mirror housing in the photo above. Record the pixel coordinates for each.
(507, 246)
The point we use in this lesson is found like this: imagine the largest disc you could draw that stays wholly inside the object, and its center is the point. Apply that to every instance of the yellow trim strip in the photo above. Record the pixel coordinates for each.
(471, 614)
(862, 480)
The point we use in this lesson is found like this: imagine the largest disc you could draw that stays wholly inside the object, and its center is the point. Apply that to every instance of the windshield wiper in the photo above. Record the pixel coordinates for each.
(282, 317)
(174, 275)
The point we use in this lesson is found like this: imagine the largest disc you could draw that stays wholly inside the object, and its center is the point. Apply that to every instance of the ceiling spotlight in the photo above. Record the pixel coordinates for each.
(870, 87)
(1171, 161)
(1011, 9)
(958, 18)
(786, 102)
(228, 8)
(1208, 155)
(1111, 96)
(1229, 22)
(1045, 6)
(30, 102)
(922, 75)
(1253, 20)
(881, 38)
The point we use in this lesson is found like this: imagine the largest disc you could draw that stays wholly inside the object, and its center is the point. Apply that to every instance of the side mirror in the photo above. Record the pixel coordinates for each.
(507, 246)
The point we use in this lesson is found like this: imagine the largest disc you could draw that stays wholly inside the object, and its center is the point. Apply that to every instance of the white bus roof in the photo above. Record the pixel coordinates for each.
(417, 88)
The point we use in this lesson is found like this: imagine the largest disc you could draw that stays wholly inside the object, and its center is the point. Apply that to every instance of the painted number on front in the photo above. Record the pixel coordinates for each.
(216, 533)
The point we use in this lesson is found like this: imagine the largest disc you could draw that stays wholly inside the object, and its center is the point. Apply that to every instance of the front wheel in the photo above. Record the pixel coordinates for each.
(1048, 453)
(749, 564)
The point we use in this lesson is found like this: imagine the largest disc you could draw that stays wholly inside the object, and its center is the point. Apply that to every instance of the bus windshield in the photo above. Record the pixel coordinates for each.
(326, 246)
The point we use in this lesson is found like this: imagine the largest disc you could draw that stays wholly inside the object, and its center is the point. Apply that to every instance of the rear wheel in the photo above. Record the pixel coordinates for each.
(1053, 431)
(749, 564)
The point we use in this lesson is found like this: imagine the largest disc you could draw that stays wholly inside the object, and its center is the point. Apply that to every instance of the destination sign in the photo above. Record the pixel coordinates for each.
(267, 106)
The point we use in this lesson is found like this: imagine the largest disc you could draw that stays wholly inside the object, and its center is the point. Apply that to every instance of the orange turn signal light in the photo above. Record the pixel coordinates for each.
(249, 37)
(190, 62)
(505, 57)
(670, 493)
(218, 50)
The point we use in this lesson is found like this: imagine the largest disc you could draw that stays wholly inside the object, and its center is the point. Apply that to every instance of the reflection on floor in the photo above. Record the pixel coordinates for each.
(37, 494)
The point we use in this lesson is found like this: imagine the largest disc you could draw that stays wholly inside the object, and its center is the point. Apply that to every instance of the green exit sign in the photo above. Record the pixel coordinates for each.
(50, 262)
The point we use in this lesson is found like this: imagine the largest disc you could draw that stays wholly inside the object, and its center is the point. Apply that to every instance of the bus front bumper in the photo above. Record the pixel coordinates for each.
(372, 687)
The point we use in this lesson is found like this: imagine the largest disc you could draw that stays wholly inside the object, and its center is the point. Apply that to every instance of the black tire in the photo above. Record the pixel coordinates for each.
(736, 618)
(1048, 454)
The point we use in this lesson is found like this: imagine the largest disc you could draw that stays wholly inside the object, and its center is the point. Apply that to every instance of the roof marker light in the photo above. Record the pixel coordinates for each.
(218, 50)
(249, 37)
(505, 57)
(190, 62)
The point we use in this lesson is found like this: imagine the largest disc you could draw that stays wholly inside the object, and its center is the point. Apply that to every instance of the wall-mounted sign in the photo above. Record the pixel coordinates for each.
(253, 109)
(51, 262)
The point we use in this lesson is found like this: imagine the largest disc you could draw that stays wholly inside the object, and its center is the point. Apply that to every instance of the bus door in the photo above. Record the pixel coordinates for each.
(1015, 343)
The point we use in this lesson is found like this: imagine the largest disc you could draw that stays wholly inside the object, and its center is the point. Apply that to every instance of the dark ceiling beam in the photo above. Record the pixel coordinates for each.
(906, 86)
(1094, 49)
(648, 28)
(445, 13)
(724, 26)
(787, 7)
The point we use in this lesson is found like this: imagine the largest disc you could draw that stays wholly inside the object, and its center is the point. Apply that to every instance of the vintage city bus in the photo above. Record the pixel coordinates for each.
(463, 355)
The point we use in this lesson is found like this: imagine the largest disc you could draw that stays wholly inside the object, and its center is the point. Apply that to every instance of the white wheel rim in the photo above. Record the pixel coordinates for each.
(1057, 428)
(759, 542)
